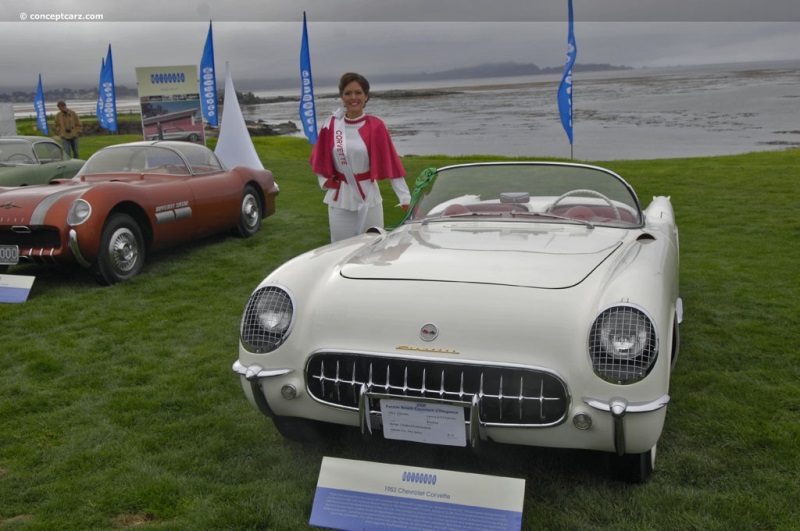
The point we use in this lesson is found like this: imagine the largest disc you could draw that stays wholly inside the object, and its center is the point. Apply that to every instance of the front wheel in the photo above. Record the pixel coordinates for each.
(251, 212)
(633, 468)
(122, 250)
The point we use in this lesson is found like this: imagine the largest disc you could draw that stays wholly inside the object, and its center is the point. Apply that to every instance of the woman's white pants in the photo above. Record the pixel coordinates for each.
(344, 223)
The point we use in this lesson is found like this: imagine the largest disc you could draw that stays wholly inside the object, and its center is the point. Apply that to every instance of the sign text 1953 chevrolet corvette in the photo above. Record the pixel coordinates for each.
(128, 200)
(527, 303)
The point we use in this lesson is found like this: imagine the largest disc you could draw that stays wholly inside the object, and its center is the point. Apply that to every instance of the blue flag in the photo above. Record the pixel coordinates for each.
(308, 111)
(565, 88)
(208, 82)
(38, 104)
(107, 99)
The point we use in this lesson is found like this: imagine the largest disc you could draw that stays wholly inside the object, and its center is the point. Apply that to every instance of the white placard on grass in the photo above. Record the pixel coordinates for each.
(374, 496)
(15, 288)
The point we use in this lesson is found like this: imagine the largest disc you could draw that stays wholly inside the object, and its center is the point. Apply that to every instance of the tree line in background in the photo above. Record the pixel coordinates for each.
(66, 94)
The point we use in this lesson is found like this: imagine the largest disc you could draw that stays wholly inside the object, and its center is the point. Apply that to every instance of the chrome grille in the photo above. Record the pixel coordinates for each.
(509, 396)
(33, 239)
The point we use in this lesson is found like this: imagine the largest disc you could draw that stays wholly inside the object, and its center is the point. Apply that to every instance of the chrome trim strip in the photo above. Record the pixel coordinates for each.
(165, 217)
(183, 213)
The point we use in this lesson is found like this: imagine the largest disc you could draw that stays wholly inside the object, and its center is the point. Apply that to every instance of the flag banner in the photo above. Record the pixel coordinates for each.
(38, 104)
(208, 82)
(565, 88)
(308, 111)
(234, 145)
(107, 115)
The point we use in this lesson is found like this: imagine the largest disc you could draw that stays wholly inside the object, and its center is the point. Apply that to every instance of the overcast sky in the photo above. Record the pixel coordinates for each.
(260, 39)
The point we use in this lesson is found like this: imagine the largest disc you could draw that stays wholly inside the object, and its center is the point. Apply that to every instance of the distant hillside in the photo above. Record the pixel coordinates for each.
(508, 69)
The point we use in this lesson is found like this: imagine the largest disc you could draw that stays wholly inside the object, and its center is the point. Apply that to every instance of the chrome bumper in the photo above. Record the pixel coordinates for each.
(619, 407)
(76, 250)
(254, 374)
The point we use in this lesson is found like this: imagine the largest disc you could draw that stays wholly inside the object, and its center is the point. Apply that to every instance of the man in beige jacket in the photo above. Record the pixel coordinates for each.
(68, 127)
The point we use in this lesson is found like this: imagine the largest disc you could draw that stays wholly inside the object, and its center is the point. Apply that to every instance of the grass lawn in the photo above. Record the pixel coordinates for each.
(118, 406)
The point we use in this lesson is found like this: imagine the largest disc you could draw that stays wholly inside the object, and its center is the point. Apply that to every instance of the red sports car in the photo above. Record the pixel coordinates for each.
(129, 200)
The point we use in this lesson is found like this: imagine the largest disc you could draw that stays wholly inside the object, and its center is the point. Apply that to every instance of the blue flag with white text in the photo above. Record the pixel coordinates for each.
(565, 88)
(107, 99)
(38, 104)
(208, 82)
(308, 111)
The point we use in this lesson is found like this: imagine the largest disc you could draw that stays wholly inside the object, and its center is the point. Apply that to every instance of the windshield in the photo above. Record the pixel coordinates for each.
(526, 191)
(13, 152)
(135, 159)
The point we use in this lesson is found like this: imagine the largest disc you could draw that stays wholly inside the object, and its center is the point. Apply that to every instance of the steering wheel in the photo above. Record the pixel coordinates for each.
(589, 192)
(19, 156)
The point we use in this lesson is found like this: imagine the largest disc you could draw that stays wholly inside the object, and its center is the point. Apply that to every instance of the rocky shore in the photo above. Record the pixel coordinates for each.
(256, 128)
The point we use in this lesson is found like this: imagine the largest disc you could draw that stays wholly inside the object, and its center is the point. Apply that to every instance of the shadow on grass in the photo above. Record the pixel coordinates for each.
(535, 465)
(51, 277)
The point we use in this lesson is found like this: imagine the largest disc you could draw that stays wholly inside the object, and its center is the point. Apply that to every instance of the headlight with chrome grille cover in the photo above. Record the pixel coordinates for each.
(267, 319)
(623, 344)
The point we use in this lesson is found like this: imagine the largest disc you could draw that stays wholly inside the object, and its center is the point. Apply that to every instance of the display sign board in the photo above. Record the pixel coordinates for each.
(15, 288)
(170, 100)
(371, 496)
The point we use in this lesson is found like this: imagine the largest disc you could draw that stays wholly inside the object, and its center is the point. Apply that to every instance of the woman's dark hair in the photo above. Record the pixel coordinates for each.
(349, 77)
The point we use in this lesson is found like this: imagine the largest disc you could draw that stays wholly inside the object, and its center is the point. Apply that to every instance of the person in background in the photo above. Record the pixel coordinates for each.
(353, 152)
(68, 127)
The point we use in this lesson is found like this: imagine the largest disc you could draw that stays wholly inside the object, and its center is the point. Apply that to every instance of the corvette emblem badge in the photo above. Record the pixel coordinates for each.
(429, 332)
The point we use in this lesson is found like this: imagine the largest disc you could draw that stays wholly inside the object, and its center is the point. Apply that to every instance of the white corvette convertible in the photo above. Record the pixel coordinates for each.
(528, 303)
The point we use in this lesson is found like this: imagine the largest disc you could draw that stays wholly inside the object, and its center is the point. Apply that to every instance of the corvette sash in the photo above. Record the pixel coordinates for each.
(340, 148)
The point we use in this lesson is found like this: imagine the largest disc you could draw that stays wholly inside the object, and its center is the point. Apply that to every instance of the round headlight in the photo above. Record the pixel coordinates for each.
(623, 345)
(79, 212)
(624, 335)
(267, 319)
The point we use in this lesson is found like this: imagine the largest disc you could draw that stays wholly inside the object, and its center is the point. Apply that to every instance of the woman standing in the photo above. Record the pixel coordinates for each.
(353, 152)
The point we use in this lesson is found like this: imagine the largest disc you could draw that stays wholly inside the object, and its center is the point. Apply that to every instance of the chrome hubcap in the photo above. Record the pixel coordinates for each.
(250, 211)
(123, 250)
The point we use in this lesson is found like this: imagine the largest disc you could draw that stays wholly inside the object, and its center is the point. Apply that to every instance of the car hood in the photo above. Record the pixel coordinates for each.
(25, 204)
(531, 255)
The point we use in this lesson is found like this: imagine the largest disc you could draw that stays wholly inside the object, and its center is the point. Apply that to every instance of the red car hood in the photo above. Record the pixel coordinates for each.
(541, 256)
(22, 206)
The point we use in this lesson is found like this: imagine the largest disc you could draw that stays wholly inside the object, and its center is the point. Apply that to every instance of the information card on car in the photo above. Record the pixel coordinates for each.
(423, 422)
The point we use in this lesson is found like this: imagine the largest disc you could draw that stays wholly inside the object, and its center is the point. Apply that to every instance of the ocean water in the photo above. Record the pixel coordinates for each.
(632, 114)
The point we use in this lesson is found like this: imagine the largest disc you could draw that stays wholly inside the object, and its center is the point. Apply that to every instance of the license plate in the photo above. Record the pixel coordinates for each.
(9, 254)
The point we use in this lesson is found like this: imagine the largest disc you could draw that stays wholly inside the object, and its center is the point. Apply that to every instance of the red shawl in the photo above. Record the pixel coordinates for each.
(384, 163)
